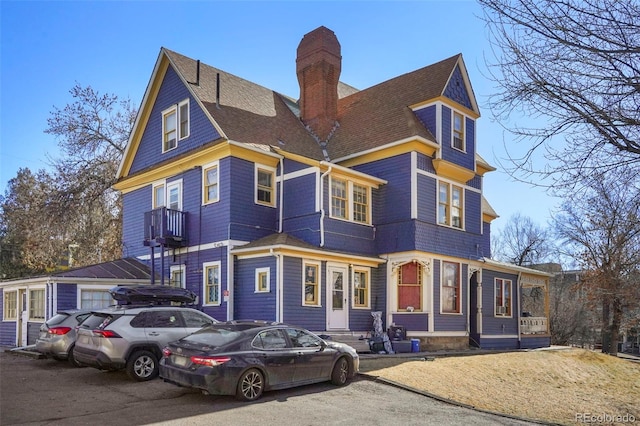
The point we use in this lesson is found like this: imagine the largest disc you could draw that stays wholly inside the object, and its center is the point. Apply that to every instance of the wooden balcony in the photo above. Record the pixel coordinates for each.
(165, 227)
(534, 325)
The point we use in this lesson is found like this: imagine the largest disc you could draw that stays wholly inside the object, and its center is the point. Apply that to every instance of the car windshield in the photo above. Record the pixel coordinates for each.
(212, 336)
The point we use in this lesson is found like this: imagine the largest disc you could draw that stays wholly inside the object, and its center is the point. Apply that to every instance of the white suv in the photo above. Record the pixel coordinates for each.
(132, 337)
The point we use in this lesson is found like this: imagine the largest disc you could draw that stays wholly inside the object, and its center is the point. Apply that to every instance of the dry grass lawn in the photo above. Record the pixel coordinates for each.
(547, 385)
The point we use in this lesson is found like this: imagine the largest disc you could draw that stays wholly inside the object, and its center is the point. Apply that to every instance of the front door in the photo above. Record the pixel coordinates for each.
(23, 318)
(337, 297)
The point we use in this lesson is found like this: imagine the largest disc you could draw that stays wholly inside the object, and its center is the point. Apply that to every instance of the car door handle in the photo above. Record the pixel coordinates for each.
(154, 333)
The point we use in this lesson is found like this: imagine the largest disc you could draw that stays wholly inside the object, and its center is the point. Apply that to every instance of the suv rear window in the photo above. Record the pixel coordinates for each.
(57, 319)
(98, 321)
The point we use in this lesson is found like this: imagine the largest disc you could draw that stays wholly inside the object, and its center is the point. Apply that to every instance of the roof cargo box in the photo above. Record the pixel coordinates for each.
(154, 294)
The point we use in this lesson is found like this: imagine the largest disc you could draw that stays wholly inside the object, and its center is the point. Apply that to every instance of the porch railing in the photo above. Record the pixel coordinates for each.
(166, 227)
(533, 325)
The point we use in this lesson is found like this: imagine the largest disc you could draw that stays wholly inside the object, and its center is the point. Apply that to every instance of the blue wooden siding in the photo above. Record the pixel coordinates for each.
(473, 212)
(172, 91)
(425, 163)
(348, 236)
(449, 322)
(456, 90)
(412, 321)
(8, 333)
(248, 220)
(300, 218)
(427, 117)
(291, 166)
(492, 325)
(312, 318)
(396, 237)
(447, 241)
(499, 343)
(67, 297)
(475, 182)
(134, 205)
(247, 303)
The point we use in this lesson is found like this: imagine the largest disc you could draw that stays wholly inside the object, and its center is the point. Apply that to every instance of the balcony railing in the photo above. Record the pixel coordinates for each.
(165, 227)
(533, 325)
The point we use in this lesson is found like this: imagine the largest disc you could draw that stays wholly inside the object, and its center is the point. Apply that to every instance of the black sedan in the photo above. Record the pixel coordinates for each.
(247, 358)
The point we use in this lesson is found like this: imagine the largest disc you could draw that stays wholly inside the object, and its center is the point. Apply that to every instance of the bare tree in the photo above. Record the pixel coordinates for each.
(573, 69)
(522, 242)
(600, 228)
(92, 134)
(72, 212)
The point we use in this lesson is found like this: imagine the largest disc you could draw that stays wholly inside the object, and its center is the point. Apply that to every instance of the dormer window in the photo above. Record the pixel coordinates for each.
(458, 131)
(175, 125)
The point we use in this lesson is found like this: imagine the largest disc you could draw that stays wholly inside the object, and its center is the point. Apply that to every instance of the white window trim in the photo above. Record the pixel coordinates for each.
(350, 201)
(450, 204)
(215, 164)
(504, 281)
(460, 287)
(4, 308)
(464, 130)
(183, 270)
(154, 185)
(168, 186)
(44, 304)
(206, 265)
(272, 170)
(353, 273)
(176, 109)
(179, 118)
(257, 280)
(306, 263)
(90, 287)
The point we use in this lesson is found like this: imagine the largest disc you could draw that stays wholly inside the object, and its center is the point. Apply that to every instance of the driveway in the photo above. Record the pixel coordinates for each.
(41, 391)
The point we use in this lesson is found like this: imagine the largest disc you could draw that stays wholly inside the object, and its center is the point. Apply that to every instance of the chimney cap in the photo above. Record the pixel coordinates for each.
(319, 40)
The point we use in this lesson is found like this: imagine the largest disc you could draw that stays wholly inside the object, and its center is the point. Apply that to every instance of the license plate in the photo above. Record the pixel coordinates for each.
(180, 360)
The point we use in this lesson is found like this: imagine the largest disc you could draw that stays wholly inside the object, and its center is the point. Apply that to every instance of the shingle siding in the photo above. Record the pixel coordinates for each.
(456, 90)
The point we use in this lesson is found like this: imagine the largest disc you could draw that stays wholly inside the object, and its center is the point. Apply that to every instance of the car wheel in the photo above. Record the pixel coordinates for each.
(340, 372)
(250, 385)
(142, 366)
(72, 359)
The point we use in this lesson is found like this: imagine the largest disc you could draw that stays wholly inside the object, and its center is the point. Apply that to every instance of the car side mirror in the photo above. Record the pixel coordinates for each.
(323, 346)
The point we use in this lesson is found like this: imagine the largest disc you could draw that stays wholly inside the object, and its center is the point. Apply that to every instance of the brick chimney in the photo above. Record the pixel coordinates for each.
(318, 68)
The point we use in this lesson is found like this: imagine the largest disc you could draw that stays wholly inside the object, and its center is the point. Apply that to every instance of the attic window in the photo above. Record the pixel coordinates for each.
(175, 125)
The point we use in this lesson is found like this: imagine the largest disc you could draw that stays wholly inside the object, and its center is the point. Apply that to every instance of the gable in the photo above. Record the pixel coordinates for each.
(457, 89)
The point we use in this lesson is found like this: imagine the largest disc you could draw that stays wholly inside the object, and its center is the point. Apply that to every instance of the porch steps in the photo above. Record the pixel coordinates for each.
(357, 340)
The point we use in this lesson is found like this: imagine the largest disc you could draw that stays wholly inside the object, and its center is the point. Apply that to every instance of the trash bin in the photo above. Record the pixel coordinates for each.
(415, 345)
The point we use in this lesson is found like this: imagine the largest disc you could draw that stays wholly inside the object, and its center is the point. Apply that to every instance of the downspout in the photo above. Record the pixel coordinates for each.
(280, 219)
(230, 283)
(321, 198)
(519, 310)
(279, 291)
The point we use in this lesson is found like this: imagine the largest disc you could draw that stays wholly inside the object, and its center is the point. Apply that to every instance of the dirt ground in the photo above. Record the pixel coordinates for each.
(565, 386)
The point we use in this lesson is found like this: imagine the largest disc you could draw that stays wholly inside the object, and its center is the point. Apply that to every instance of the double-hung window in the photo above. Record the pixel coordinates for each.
(450, 205)
(503, 298)
(450, 289)
(175, 125)
(311, 284)
(350, 201)
(458, 131)
(10, 308)
(36, 304)
(265, 185)
(211, 183)
(95, 299)
(158, 195)
(361, 292)
(211, 283)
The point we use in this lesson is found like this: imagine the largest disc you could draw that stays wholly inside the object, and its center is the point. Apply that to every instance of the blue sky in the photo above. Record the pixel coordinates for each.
(48, 47)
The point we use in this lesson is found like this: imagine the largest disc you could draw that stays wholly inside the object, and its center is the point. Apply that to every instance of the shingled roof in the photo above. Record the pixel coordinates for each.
(249, 113)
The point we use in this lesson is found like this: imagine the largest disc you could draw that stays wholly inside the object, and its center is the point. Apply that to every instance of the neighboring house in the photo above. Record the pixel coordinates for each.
(322, 210)
(28, 302)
